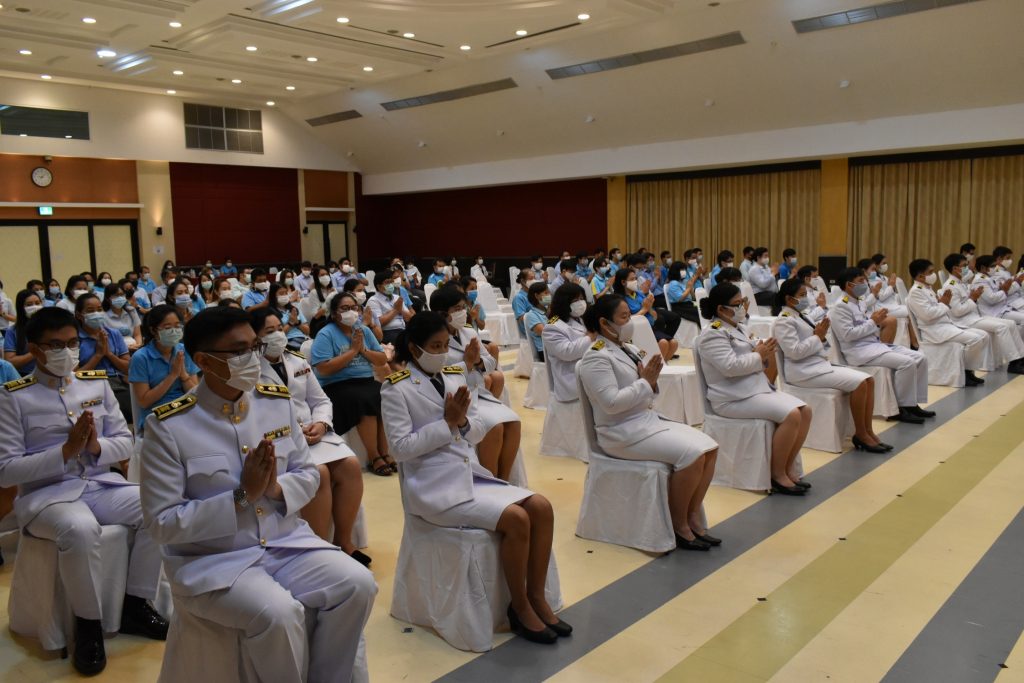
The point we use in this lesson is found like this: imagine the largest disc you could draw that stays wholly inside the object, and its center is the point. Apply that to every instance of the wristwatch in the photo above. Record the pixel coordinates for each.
(241, 500)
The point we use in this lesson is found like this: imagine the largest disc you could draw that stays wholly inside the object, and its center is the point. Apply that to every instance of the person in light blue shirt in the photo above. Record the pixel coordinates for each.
(601, 283)
(103, 348)
(26, 304)
(537, 317)
(346, 271)
(747, 262)
(666, 263)
(789, 264)
(725, 260)
(679, 292)
(8, 373)
(181, 294)
(520, 302)
(161, 371)
(293, 323)
(566, 273)
(146, 282)
(627, 285)
(438, 277)
(614, 261)
(583, 271)
(256, 296)
(228, 269)
(344, 356)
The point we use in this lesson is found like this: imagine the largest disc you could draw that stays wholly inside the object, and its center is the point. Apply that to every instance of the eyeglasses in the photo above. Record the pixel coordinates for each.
(259, 348)
(58, 345)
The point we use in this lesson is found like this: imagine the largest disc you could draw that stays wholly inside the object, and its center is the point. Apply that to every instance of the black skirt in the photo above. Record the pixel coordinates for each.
(353, 399)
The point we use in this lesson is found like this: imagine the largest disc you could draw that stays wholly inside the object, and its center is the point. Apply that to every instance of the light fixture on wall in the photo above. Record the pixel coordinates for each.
(305, 230)
(159, 230)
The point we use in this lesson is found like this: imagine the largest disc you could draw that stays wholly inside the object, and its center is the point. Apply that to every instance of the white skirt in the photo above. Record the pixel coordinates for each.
(490, 499)
(679, 446)
(493, 412)
(330, 448)
(841, 379)
(774, 406)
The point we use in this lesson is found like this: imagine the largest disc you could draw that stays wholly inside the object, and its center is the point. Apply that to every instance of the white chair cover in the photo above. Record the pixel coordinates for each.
(699, 294)
(747, 290)
(487, 300)
(678, 391)
(834, 295)
(552, 274)
(945, 361)
(428, 291)
(831, 419)
(370, 275)
(819, 284)
(524, 359)
(37, 607)
(563, 433)
(537, 391)
(885, 394)
(501, 326)
(686, 334)
(625, 502)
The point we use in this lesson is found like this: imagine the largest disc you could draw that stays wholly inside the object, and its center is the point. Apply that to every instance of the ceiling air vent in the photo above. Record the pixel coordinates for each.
(449, 95)
(334, 118)
(657, 54)
(885, 10)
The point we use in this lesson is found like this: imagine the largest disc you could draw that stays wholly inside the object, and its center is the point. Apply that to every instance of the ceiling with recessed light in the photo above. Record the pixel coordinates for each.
(576, 74)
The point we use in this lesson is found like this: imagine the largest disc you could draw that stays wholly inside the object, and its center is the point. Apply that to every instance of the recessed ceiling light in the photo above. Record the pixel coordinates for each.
(24, 52)
(46, 77)
(465, 48)
(88, 20)
(289, 87)
(178, 72)
(408, 35)
(105, 53)
(583, 17)
(174, 24)
(271, 103)
(342, 20)
(251, 48)
(311, 59)
(521, 32)
(236, 81)
(367, 68)
(172, 92)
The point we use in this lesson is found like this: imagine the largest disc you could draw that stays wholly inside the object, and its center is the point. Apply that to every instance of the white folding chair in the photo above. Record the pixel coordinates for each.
(428, 291)
(678, 395)
(747, 290)
(552, 274)
(563, 433)
(537, 392)
(698, 295)
(370, 275)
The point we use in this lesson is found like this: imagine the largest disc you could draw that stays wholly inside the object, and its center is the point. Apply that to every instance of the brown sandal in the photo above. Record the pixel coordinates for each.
(383, 470)
(390, 462)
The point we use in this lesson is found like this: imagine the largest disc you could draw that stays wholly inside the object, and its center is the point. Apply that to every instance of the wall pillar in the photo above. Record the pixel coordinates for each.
(154, 183)
(617, 213)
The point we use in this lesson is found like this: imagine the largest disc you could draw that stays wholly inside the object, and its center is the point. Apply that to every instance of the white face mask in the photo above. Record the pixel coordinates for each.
(930, 279)
(360, 297)
(275, 341)
(739, 313)
(282, 301)
(244, 372)
(75, 293)
(538, 266)
(578, 308)
(479, 261)
(324, 280)
(632, 285)
(61, 363)
(1007, 263)
(728, 264)
(306, 272)
(225, 294)
(692, 262)
(884, 268)
(624, 332)
(105, 281)
(458, 319)
(32, 310)
(431, 362)
(262, 286)
(346, 268)
(349, 318)
(765, 261)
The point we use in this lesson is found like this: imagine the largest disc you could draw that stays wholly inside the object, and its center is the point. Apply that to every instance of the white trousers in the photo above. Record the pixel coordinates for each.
(1017, 317)
(75, 528)
(976, 349)
(910, 380)
(267, 603)
(1007, 338)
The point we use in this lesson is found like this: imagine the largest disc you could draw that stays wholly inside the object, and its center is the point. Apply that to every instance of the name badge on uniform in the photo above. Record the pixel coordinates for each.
(93, 402)
(275, 434)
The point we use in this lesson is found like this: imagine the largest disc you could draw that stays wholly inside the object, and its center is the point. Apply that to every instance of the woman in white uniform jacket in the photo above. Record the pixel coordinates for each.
(340, 491)
(565, 340)
(621, 393)
(804, 354)
(733, 366)
(497, 450)
(431, 421)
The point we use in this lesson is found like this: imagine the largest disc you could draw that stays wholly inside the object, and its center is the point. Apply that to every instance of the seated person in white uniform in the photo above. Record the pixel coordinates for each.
(566, 339)
(340, 491)
(995, 300)
(735, 366)
(817, 302)
(621, 392)
(497, 450)
(225, 472)
(763, 277)
(933, 317)
(882, 294)
(965, 311)
(804, 347)
(858, 336)
(60, 434)
(431, 421)
(1002, 272)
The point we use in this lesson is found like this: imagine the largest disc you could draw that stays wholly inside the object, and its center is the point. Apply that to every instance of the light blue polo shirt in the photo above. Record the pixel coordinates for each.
(87, 349)
(253, 297)
(148, 365)
(330, 342)
(11, 344)
(534, 317)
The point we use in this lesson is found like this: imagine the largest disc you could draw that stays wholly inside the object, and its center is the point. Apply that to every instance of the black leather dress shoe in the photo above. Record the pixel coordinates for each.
(545, 636)
(361, 557)
(695, 544)
(921, 412)
(561, 629)
(140, 619)
(787, 490)
(1016, 367)
(972, 380)
(905, 415)
(869, 447)
(90, 657)
(709, 539)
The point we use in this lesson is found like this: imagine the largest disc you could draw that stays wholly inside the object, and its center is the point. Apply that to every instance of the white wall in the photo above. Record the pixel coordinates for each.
(132, 125)
(965, 128)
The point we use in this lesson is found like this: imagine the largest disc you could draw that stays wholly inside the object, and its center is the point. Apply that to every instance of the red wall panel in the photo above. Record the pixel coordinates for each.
(508, 220)
(248, 213)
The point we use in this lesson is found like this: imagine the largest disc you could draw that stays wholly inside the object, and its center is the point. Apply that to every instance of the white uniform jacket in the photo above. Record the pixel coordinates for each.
(993, 299)
(805, 353)
(457, 344)
(438, 462)
(308, 398)
(565, 342)
(731, 367)
(963, 310)
(623, 404)
(1014, 296)
(191, 464)
(36, 416)
(933, 316)
(856, 332)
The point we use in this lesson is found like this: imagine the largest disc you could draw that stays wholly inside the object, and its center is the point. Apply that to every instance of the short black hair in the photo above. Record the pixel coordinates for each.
(918, 266)
(603, 309)
(258, 317)
(720, 295)
(729, 275)
(1001, 251)
(634, 260)
(256, 272)
(760, 251)
(305, 264)
(985, 262)
(967, 246)
(848, 275)
(952, 261)
(725, 256)
(787, 252)
(878, 258)
(446, 298)
(561, 300)
(418, 330)
(156, 315)
(567, 265)
(665, 253)
(380, 278)
(80, 301)
(865, 263)
(748, 250)
(536, 290)
(676, 271)
(806, 271)
(48, 320)
(210, 324)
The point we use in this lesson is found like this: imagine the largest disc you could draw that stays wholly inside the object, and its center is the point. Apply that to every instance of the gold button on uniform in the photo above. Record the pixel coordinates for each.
(70, 414)
(259, 511)
(236, 419)
(245, 449)
(263, 542)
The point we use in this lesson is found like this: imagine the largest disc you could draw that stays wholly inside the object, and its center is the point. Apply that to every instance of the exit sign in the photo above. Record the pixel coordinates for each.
(45, 210)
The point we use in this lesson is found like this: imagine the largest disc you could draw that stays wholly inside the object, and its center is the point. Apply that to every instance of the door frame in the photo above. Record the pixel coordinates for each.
(43, 228)
(325, 234)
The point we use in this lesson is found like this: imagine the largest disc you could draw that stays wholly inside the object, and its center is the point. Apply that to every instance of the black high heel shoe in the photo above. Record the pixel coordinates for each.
(802, 484)
(870, 448)
(545, 636)
(561, 629)
(786, 490)
(709, 539)
(695, 544)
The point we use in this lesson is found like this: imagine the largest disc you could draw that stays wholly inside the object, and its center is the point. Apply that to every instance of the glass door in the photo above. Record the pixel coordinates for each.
(70, 252)
(19, 258)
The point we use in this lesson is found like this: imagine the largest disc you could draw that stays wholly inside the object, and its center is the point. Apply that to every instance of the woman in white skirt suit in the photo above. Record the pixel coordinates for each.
(497, 450)
(621, 388)
(431, 422)
(340, 491)
(734, 368)
(804, 347)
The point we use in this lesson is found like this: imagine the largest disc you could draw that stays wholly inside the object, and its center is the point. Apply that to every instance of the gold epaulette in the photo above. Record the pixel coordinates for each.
(784, 314)
(552, 320)
(716, 325)
(91, 374)
(598, 345)
(274, 390)
(452, 370)
(296, 353)
(846, 299)
(396, 377)
(16, 384)
(176, 406)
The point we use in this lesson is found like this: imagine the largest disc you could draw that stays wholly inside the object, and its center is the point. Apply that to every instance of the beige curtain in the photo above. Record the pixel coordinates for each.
(928, 209)
(774, 210)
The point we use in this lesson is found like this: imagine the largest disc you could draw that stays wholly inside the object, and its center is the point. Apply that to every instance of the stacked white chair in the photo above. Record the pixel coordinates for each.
(501, 324)
(678, 390)
(744, 445)
(625, 502)
(885, 393)
(831, 419)
(564, 434)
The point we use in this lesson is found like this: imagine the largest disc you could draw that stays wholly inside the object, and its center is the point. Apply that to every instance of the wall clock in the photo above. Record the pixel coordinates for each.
(42, 176)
